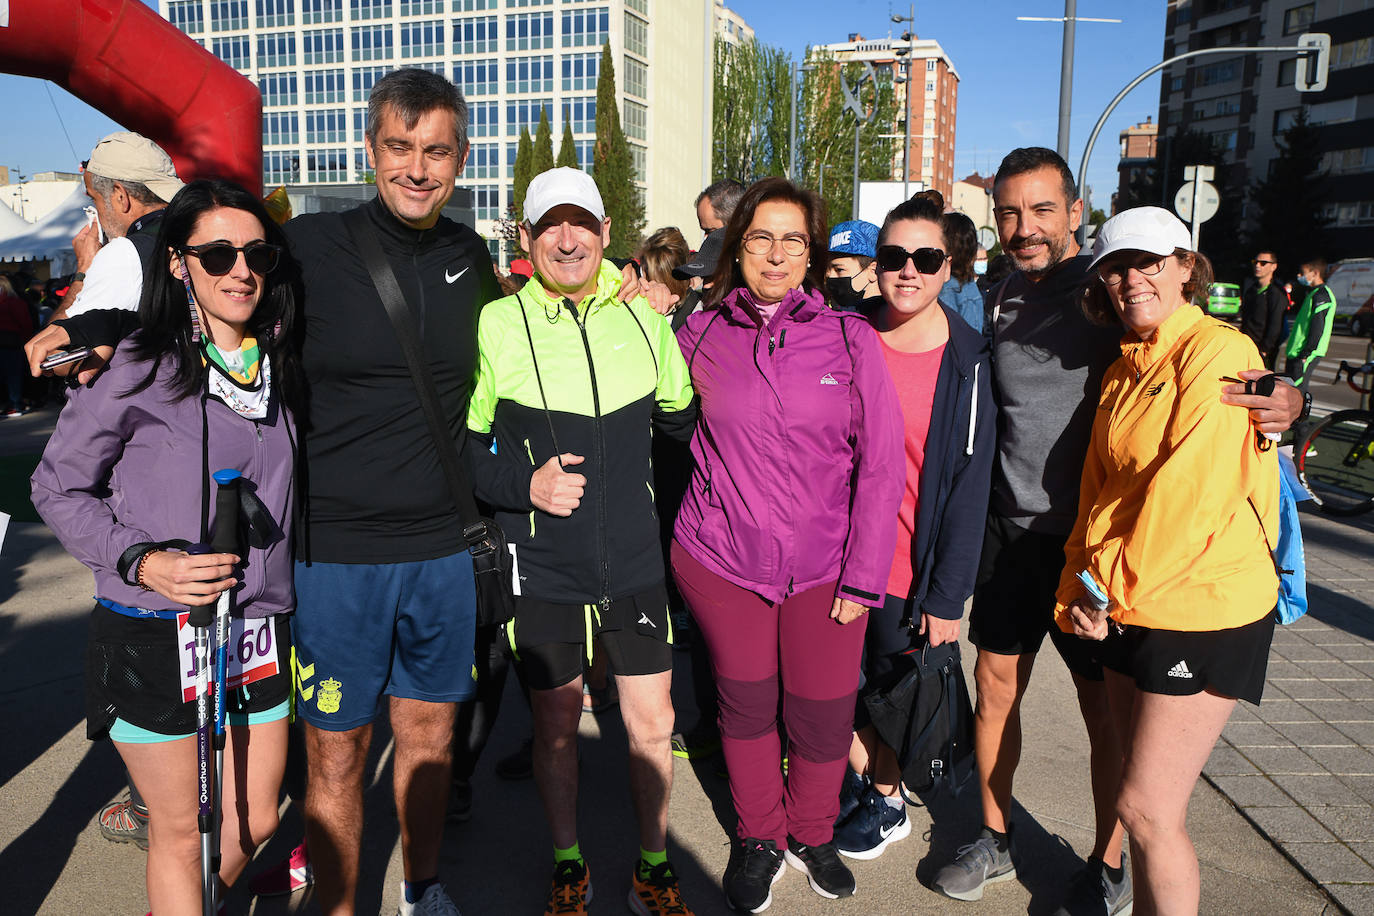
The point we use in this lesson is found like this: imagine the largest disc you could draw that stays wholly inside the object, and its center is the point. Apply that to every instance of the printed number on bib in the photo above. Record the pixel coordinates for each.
(252, 653)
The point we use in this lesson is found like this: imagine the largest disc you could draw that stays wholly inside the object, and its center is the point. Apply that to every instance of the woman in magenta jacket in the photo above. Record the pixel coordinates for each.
(785, 535)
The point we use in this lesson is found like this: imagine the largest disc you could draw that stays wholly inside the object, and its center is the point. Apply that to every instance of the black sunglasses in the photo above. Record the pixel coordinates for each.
(218, 258)
(894, 258)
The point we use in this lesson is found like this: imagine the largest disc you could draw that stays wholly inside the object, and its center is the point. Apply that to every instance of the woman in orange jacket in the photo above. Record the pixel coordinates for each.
(1168, 564)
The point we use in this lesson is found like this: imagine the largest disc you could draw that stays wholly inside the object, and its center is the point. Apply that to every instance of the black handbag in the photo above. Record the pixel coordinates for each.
(492, 563)
(926, 718)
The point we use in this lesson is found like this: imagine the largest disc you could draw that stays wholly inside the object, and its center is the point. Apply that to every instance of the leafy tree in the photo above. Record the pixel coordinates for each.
(543, 145)
(567, 150)
(524, 170)
(613, 166)
(751, 111)
(826, 132)
(1291, 223)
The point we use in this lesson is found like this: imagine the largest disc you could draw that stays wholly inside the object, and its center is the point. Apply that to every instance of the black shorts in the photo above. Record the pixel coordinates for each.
(1013, 598)
(133, 672)
(550, 641)
(1178, 663)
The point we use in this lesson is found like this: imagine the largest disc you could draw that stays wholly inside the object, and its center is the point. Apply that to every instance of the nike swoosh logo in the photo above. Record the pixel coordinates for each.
(449, 278)
(617, 346)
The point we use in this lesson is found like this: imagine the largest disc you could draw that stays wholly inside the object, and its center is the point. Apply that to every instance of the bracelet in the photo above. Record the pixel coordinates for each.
(138, 573)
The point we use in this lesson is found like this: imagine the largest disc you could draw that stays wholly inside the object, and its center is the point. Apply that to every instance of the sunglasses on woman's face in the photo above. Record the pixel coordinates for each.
(218, 258)
(893, 258)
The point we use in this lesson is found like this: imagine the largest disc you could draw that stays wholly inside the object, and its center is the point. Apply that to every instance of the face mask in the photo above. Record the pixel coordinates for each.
(980, 267)
(842, 292)
(1302, 281)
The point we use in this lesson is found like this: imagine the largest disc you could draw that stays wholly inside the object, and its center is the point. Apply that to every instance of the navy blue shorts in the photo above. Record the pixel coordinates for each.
(364, 630)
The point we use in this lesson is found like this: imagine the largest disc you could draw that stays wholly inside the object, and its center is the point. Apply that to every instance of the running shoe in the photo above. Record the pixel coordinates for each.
(460, 801)
(1093, 893)
(827, 875)
(657, 893)
(754, 868)
(122, 822)
(435, 902)
(975, 866)
(570, 892)
(701, 741)
(287, 876)
(872, 827)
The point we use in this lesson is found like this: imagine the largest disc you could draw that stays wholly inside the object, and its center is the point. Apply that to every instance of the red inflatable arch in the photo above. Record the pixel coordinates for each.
(128, 62)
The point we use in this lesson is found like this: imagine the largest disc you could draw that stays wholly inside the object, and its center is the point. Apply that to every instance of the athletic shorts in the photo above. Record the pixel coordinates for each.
(396, 629)
(128, 733)
(551, 641)
(1176, 663)
(1013, 598)
(134, 673)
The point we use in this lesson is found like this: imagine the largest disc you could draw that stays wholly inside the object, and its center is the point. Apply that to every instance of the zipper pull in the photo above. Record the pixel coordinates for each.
(772, 344)
(605, 603)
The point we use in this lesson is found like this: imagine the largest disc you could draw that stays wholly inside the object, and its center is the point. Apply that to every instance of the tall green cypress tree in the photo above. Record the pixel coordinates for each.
(543, 145)
(567, 150)
(524, 156)
(613, 166)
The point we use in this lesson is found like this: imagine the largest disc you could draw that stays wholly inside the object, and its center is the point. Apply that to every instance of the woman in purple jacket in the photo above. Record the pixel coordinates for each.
(785, 536)
(209, 382)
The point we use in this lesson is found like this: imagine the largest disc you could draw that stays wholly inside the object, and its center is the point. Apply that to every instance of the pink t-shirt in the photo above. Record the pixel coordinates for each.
(913, 375)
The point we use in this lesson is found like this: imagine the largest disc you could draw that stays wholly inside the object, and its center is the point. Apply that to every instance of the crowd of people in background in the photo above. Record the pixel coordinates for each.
(804, 447)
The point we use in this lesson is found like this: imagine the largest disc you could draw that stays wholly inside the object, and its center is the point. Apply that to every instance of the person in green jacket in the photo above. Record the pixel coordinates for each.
(1311, 331)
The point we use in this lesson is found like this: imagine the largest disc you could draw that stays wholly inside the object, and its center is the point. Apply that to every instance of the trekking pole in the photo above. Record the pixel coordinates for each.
(225, 540)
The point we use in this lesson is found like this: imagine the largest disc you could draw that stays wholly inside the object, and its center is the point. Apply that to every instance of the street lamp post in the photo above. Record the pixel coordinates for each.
(1070, 20)
(792, 163)
(910, 36)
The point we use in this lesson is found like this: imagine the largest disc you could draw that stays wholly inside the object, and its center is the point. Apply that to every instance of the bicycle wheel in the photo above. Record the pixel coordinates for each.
(1336, 462)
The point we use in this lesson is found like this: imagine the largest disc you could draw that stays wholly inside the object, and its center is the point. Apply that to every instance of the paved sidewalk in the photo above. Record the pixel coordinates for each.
(1300, 766)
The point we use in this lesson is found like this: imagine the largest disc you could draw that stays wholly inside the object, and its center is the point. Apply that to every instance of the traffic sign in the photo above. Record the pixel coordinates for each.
(1310, 74)
(986, 237)
(1208, 201)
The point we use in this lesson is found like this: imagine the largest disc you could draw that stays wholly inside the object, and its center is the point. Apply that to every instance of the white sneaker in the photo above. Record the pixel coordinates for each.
(435, 902)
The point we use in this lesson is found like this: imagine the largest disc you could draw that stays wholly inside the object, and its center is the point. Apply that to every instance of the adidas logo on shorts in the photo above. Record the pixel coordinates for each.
(1180, 670)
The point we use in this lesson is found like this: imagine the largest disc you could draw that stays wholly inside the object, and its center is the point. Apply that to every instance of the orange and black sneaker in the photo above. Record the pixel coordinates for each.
(571, 890)
(655, 892)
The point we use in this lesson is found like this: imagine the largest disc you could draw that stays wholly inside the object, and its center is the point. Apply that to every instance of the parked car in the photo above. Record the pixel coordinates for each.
(1352, 282)
(1223, 299)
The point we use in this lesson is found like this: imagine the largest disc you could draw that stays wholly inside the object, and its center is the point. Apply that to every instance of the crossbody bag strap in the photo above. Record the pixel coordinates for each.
(539, 379)
(403, 320)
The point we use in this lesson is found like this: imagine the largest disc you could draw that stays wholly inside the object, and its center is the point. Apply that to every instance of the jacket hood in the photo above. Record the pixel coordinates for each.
(800, 304)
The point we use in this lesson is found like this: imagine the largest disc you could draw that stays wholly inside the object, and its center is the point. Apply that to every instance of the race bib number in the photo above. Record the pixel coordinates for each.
(252, 653)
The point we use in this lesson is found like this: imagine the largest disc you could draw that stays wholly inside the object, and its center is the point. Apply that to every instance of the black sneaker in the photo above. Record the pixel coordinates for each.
(519, 765)
(754, 868)
(460, 801)
(828, 876)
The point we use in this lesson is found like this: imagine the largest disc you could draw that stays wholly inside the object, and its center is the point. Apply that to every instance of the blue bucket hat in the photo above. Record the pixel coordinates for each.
(854, 237)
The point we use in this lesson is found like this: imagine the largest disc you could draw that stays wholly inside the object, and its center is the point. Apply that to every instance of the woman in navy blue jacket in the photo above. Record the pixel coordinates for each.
(942, 372)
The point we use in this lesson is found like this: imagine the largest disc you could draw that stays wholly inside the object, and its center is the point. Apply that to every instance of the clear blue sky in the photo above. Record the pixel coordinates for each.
(1008, 92)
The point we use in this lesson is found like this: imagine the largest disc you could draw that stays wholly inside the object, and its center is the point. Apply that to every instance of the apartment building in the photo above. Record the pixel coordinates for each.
(1245, 102)
(316, 61)
(1139, 144)
(930, 99)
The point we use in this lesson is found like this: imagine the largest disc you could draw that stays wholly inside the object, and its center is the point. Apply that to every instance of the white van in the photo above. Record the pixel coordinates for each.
(1352, 280)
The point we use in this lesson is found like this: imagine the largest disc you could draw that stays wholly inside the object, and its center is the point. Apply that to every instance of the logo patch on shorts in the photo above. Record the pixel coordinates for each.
(644, 618)
(330, 695)
(1180, 670)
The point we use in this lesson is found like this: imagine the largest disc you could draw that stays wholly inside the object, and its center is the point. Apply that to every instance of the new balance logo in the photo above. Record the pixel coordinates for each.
(828, 379)
(1151, 392)
(644, 618)
(1180, 670)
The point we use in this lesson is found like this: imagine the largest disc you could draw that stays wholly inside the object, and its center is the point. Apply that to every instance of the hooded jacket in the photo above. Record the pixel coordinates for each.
(798, 450)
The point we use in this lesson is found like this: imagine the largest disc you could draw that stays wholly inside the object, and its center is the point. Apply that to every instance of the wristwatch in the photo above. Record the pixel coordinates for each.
(79, 276)
(1306, 406)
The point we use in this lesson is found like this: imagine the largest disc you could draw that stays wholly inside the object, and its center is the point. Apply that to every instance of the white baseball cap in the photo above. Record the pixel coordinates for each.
(1151, 229)
(127, 156)
(562, 186)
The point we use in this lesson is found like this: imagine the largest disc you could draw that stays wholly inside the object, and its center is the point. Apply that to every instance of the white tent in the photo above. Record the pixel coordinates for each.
(49, 239)
(11, 222)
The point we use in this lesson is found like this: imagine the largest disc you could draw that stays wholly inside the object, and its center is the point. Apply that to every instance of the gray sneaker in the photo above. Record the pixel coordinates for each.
(1093, 893)
(435, 902)
(975, 866)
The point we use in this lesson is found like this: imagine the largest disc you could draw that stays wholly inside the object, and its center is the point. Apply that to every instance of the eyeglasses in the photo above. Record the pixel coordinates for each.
(1258, 261)
(893, 258)
(218, 258)
(1113, 274)
(794, 246)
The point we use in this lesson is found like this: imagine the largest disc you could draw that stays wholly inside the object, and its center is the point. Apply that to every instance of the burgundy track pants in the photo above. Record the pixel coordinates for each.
(752, 642)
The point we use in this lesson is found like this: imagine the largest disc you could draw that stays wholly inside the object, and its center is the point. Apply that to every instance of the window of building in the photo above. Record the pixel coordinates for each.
(525, 113)
(1288, 70)
(360, 125)
(1355, 213)
(228, 15)
(477, 77)
(1217, 73)
(1216, 108)
(1347, 161)
(930, 86)
(186, 15)
(470, 6)
(318, 11)
(930, 65)
(326, 165)
(529, 74)
(529, 31)
(636, 78)
(1284, 118)
(421, 7)
(235, 52)
(639, 6)
(580, 114)
(1224, 141)
(280, 128)
(636, 34)
(277, 89)
(422, 39)
(324, 86)
(513, 4)
(636, 121)
(484, 119)
(929, 126)
(1298, 18)
(364, 78)
(1176, 84)
(274, 13)
(1355, 53)
(475, 36)
(323, 46)
(486, 201)
(280, 167)
(484, 161)
(277, 49)
(372, 42)
(326, 125)
(369, 9)
(1337, 112)
(640, 157)
(580, 71)
(583, 27)
(586, 152)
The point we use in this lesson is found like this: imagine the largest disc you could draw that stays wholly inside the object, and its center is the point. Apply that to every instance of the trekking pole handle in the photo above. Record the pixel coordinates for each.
(226, 536)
